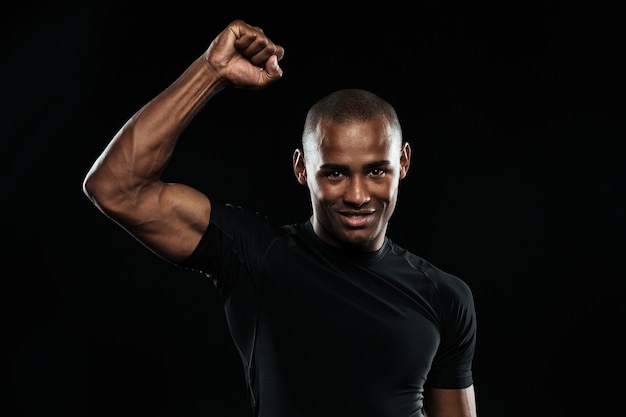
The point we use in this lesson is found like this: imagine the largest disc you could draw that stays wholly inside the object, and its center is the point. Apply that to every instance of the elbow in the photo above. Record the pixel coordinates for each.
(113, 195)
(88, 186)
(100, 192)
(93, 186)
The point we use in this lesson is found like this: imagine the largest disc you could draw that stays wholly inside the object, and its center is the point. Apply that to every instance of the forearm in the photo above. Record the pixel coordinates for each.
(140, 151)
(150, 136)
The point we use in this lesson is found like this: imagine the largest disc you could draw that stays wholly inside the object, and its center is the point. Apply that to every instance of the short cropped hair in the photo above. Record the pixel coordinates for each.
(349, 105)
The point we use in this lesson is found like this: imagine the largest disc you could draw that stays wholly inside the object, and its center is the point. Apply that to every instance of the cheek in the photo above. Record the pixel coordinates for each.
(313, 185)
(385, 191)
(324, 192)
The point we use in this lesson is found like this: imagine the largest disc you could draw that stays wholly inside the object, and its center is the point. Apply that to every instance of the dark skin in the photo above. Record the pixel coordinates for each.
(355, 171)
(352, 170)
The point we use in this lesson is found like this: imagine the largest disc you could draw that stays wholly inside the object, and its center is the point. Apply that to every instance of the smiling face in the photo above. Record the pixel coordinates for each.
(353, 170)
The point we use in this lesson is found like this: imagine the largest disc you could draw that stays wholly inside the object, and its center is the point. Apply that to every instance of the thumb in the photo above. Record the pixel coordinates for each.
(272, 70)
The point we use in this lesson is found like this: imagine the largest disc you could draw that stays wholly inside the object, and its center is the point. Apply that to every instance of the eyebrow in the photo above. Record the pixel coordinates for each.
(338, 167)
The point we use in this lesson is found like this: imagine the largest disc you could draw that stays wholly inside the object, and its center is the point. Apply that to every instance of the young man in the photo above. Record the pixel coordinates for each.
(330, 317)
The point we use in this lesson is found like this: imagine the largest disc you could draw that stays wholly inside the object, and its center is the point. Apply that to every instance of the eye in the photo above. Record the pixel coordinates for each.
(378, 172)
(335, 174)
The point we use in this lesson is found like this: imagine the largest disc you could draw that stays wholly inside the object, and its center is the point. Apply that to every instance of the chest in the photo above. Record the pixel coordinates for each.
(344, 317)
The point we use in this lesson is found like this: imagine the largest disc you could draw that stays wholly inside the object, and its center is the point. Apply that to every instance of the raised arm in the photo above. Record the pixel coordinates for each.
(124, 182)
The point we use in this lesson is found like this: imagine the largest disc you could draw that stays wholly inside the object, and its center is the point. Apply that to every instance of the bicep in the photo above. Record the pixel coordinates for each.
(440, 402)
(170, 219)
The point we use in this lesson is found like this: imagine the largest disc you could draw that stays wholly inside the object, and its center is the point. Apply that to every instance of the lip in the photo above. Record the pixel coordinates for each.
(355, 219)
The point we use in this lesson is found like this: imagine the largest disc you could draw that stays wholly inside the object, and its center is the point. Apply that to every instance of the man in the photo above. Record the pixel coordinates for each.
(330, 317)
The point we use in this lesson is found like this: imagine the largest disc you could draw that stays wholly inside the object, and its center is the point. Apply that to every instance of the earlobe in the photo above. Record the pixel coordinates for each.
(299, 168)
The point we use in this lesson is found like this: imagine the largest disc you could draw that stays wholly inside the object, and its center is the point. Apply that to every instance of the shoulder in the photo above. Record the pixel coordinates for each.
(234, 232)
(444, 282)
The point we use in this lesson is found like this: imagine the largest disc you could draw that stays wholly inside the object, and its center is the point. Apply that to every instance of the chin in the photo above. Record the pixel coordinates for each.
(359, 242)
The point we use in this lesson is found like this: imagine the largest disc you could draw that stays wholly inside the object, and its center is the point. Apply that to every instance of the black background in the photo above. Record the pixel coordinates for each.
(515, 112)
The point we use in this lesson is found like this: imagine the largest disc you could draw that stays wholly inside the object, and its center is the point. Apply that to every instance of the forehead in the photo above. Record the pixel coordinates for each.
(375, 136)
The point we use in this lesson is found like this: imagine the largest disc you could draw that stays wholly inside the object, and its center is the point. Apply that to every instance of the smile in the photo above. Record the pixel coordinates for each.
(355, 220)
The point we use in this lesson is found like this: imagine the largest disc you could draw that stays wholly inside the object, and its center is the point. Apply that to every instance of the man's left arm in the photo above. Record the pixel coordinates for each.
(440, 402)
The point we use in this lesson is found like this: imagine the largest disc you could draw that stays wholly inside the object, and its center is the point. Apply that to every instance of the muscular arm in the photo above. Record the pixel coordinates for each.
(124, 182)
(450, 402)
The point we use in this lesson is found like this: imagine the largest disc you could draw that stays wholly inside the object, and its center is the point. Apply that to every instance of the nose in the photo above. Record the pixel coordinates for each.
(356, 193)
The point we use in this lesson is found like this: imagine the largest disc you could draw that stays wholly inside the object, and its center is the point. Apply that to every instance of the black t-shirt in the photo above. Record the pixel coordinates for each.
(327, 332)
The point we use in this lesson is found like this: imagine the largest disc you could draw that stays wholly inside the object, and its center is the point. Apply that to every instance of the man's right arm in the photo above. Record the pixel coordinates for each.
(124, 182)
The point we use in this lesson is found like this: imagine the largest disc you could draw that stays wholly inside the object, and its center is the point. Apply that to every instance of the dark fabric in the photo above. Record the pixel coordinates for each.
(329, 332)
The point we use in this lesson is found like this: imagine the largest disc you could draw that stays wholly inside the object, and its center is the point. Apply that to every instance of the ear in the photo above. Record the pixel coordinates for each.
(299, 168)
(405, 159)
